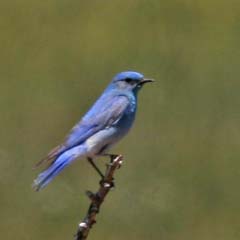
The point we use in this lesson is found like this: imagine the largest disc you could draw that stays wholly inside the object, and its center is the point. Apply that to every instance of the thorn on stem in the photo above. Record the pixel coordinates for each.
(83, 225)
(94, 209)
(90, 195)
(106, 185)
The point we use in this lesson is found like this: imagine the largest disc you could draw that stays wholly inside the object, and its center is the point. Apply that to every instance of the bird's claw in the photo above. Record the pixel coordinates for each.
(113, 156)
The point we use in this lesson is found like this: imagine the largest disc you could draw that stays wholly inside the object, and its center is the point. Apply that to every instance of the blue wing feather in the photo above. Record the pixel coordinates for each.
(106, 112)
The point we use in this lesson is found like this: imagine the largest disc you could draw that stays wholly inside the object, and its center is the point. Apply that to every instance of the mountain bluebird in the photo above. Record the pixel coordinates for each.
(107, 121)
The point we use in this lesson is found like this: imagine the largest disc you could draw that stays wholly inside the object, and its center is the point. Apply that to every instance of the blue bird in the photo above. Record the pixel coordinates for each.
(107, 121)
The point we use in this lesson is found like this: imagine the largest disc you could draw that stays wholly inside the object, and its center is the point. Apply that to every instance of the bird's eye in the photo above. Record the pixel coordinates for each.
(128, 80)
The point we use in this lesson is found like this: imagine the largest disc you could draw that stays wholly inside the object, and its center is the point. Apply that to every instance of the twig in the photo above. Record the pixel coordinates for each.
(97, 198)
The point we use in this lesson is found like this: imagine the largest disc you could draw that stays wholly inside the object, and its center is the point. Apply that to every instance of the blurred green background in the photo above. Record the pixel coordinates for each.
(180, 179)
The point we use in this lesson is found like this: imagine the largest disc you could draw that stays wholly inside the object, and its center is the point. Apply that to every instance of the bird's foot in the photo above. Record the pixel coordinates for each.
(112, 156)
(116, 157)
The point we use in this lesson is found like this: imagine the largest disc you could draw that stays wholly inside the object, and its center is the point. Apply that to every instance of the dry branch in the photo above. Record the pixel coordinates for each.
(97, 198)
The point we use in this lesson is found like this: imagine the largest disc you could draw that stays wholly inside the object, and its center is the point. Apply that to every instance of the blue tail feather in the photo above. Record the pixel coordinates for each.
(56, 167)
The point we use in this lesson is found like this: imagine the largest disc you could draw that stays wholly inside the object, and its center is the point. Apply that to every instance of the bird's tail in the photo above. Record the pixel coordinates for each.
(57, 166)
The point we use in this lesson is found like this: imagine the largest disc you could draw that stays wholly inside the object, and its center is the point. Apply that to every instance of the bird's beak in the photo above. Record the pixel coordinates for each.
(146, 80)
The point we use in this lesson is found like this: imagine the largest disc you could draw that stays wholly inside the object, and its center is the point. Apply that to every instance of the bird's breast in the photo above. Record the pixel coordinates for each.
(129, 115)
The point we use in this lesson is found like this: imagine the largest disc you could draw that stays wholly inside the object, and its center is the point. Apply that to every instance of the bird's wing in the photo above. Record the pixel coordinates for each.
(107, 111)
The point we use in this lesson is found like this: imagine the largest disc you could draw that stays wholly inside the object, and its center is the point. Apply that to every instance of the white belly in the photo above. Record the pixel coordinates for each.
(101, 139)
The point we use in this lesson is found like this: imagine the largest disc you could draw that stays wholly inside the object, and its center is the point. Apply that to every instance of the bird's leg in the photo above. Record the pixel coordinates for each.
(95, 167)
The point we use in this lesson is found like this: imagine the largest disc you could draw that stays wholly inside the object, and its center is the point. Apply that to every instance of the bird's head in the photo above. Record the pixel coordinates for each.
(131, 81)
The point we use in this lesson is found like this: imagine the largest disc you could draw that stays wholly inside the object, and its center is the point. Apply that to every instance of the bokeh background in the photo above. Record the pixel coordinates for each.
(180, 179)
